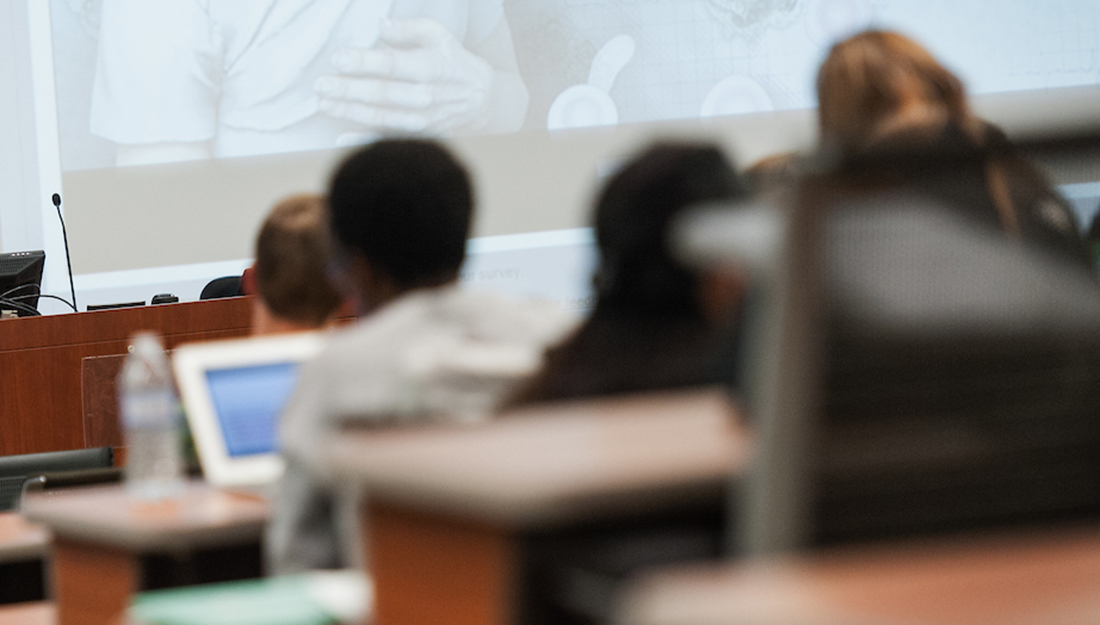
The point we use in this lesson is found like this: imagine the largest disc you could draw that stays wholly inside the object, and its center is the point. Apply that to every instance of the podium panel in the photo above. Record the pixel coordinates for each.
(53, 371)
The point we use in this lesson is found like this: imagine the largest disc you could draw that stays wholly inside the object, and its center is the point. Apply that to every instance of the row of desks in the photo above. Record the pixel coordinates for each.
(451, 510)
(453, 514)
(1038, 579)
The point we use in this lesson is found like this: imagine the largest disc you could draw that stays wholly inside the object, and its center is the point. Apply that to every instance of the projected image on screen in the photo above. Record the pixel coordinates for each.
(185, 79)
(172, 80)
(248, 402)
(703, 58)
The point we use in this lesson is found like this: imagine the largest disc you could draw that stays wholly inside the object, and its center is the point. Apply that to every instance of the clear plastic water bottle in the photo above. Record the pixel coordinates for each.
(150, 414)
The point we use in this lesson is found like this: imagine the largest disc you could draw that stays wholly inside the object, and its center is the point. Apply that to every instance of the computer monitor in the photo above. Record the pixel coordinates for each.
(21, 281)
(234, 393)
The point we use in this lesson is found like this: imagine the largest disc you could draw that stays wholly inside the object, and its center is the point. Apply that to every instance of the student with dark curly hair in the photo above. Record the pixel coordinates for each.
(423, 349)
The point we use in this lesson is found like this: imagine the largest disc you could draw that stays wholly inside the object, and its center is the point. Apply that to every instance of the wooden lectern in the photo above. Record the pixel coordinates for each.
(46, 389)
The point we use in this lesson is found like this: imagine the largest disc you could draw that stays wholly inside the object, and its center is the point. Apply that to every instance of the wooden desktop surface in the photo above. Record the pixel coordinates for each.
(101, 540)
(20, 539)
(41, 401)
(1003, 579)
(450, 509)
(104, 515)
(38, 613)
(550, 464)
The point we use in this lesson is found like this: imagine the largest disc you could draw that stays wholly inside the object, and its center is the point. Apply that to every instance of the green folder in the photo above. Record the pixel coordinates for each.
(289, 600)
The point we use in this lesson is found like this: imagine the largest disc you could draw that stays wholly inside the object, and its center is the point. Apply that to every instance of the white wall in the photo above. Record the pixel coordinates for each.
(204, 215)
(527, 182)
(29, 159)
(19, 215)
(136, 217)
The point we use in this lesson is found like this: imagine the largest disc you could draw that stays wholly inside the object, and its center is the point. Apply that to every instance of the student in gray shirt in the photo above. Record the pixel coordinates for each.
(400, 213)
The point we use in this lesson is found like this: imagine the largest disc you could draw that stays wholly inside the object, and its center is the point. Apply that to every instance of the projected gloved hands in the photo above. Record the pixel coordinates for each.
(419, 79)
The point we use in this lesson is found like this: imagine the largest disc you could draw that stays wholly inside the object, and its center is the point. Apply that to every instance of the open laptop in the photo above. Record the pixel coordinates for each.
(234, 393)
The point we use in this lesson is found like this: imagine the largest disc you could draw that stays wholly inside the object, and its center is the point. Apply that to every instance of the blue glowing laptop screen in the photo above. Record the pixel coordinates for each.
(249, 401)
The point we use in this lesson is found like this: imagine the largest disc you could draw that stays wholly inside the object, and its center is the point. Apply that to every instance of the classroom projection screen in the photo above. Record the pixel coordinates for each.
(180, 122)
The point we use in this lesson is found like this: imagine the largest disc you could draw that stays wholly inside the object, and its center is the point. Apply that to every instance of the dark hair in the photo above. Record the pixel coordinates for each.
(406, 206)
(633, 217)
(648, 330)
(292, 256)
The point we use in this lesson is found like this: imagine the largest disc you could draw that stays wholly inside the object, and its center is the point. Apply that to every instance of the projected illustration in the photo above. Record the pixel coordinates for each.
(588, 104)
(141, 82)
(183, 79)
(712, 58)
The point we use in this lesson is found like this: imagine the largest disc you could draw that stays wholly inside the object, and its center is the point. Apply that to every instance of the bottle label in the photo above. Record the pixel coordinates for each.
(157, 409)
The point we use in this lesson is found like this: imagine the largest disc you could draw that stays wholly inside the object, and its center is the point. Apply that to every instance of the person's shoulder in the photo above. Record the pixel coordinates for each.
(992, 135)
(425, 313)
(541, 320)
(395, 317)
(396, 321)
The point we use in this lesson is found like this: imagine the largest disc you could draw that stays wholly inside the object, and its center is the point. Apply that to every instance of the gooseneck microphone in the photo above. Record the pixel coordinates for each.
(68, 259)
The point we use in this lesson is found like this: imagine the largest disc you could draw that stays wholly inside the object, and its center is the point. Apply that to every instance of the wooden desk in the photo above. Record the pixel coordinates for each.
(103, 541)
(23, 548)
(1033, 579)
(39, 613)
(41, 401)
(449, 507)
(21, 540)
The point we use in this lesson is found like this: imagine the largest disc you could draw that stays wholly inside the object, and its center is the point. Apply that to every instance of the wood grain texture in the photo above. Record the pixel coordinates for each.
(430, 569)
(41, 401)
(92, 584)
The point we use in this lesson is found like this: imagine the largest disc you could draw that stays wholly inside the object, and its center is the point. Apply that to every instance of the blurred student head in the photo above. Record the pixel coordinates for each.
(292, 257)
(774, 173)
(879, 83)
(634, 214)
(400, 212)
(901, 121)
(657, 324)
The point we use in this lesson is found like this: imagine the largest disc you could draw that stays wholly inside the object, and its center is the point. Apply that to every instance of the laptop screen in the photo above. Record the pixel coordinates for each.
(248, 402)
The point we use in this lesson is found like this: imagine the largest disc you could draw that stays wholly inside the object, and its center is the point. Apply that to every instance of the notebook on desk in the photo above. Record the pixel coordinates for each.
(316, 598)
(233, 393)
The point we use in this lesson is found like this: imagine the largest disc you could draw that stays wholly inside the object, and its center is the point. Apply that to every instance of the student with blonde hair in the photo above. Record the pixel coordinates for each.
(893, 114)
(293, 252)
(878, 83)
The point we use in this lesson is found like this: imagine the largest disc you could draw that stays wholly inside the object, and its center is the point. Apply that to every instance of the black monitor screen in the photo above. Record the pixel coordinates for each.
(21, 281)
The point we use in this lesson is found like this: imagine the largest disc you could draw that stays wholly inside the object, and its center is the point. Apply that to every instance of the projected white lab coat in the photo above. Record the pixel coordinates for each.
(240, 73)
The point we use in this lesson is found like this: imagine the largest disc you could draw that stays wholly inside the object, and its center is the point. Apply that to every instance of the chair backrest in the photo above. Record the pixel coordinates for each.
(228, 286)
(14, 470)
(920, 374)
(70, 479)
(958, 382)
